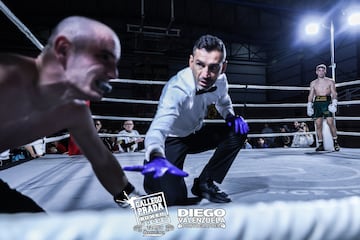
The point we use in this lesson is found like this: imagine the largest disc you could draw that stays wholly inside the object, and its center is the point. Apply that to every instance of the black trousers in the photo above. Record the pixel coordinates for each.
(222, 138)
(12, 201)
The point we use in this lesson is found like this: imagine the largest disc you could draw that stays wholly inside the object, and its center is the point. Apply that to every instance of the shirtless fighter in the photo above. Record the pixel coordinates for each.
(322, 103)
(44, 95)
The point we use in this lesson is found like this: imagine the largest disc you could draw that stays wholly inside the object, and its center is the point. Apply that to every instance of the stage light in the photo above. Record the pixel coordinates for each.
(354, 19)
(312, 28)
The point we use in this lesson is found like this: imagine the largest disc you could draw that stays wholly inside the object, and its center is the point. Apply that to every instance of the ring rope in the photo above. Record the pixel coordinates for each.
(284, 105)
(319, 219)
(129, 101)
(57, 138)
(284, 88)
(251, 135)
(341, 118)
(343, 84)
(245, 86)
(122, 118)
(146, 82)
(65, 136)
(356, 134)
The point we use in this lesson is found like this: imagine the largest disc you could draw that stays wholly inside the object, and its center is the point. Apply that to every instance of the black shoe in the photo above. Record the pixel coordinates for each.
(320, 148)
(210, 191)
(336, 146)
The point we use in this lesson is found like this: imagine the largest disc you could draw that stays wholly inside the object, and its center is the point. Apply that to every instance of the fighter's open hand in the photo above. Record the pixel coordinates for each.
(238, 124)
(158, 166)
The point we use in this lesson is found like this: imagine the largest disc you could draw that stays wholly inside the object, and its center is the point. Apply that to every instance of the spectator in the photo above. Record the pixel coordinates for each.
(247, 145)
(32, 151)
(130, 142)
(283, 141)
(296, 126)
(260, 143)
(56, 147)
(268, 140)
(105, 140)
(303, 140)
(114, 143)
(4, 158)
(98, 125)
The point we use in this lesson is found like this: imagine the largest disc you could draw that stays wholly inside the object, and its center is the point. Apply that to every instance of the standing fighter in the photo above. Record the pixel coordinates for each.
(47, 94)
(322, 103)
(178, 128)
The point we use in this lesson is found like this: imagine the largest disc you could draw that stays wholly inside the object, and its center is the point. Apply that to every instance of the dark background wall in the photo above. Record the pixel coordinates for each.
(264, 44)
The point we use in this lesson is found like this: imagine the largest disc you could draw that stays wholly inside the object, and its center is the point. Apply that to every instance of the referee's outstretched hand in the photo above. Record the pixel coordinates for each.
(158, 166)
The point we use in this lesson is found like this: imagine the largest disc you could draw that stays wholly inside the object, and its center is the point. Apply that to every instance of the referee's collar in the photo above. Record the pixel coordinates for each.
(201, 91)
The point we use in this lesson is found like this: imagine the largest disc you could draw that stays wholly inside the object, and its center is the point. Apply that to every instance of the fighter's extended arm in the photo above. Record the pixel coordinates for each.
(103, 162)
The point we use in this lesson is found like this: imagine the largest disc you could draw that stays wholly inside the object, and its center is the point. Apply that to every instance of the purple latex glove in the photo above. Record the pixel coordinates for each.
(239, 125)
(159, 166)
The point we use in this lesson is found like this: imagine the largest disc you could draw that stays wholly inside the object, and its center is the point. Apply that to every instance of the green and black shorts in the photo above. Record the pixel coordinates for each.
(321, 105)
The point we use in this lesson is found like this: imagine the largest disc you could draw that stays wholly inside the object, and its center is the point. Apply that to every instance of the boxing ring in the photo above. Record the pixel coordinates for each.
(277, 193)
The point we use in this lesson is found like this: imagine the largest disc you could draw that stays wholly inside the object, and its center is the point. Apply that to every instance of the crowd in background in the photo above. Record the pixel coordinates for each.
(129, 139)
(117, 141)
(301, 140)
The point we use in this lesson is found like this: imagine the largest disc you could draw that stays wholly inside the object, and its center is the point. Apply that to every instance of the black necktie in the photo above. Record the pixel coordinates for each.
(198, 92)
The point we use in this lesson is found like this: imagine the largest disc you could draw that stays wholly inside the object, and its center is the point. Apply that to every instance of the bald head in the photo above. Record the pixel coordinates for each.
(81, 31)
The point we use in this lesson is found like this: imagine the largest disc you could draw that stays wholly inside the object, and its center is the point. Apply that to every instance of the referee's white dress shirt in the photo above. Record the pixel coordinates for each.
(181, 112)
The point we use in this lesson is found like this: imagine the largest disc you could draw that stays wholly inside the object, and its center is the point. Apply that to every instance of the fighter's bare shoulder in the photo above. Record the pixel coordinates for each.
(13, 66)
(330, 81)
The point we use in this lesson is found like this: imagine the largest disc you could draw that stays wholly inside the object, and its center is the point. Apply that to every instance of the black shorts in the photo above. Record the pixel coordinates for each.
(321, 107)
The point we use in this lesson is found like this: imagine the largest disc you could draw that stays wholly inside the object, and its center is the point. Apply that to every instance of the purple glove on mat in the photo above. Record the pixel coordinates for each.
(158, 166)
(238, 124)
